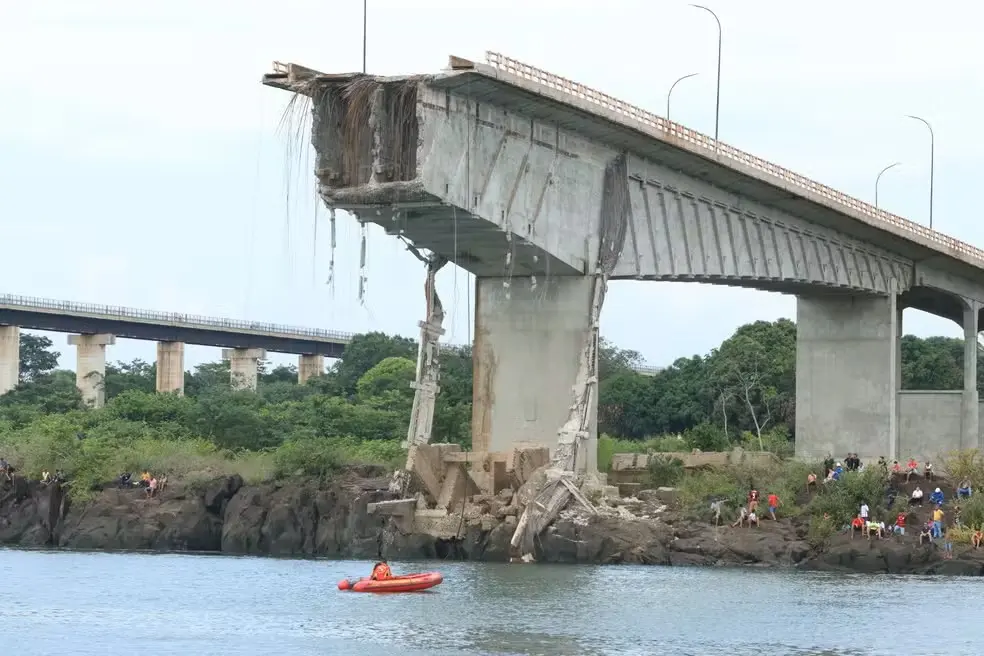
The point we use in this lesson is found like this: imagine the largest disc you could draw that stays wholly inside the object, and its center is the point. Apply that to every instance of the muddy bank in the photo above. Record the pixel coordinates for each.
(300, 518)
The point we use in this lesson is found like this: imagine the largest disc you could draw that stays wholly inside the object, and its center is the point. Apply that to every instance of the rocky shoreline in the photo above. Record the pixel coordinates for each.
(308, 519)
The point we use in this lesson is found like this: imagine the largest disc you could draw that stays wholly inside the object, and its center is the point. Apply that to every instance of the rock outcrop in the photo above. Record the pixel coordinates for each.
(305, 518)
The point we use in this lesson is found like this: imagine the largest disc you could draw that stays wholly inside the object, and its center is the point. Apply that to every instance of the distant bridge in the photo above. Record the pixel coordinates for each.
(96, 326)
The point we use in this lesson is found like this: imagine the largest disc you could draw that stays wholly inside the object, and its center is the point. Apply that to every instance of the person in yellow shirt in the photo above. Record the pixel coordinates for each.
(937, 522)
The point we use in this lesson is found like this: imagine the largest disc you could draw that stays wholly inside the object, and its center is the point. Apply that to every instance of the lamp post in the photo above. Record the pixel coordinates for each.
(932, 162)
(670, 93)
(365, 31)
(717, 101)
(878, 179)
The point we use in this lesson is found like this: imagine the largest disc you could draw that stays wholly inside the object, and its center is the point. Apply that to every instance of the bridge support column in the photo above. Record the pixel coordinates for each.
(90, 369)
(527, 351)
(9, 358)
(847, 376)
(243, 367)
(309, 366)
(170, 368)
(970, 420)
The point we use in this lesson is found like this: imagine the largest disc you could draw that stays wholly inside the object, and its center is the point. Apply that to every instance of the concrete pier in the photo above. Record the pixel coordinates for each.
(970, 402)
(243, 366)
(309, 366)
(90, 370)
(9, 358)
(170, 368)
(848, 375)
(528, 345)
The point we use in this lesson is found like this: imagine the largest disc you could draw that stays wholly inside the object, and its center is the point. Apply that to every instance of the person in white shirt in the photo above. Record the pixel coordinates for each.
(864, 512)
(917, 496)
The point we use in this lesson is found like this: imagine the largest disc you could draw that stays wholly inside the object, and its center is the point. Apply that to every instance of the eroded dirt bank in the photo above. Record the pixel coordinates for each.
(303, 518)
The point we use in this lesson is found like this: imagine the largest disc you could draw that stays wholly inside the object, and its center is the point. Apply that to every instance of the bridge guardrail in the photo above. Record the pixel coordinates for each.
(661, 127)
(192, 320)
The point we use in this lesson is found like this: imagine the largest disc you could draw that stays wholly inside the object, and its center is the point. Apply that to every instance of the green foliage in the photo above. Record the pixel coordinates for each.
(36, 357)
(972, 511)
(842, 500)
(665, 470)
(742, 393)
(821, 530)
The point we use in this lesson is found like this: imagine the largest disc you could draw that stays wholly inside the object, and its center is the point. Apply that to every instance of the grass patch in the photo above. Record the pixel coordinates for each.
(98, 459)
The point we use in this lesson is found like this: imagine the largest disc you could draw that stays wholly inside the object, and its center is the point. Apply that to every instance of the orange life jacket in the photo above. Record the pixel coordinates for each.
(381, 571)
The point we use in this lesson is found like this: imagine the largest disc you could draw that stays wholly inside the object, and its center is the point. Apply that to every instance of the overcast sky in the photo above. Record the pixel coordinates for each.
(142, 163)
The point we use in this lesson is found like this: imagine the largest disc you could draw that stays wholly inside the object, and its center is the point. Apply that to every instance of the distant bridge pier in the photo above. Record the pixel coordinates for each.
(309, 366)
(90, 370)
(9, 358)
(243, 366)
(170, 368)
(527, 350)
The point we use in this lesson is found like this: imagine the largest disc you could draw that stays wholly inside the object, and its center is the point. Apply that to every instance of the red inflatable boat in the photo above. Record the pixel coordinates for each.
(408, 583)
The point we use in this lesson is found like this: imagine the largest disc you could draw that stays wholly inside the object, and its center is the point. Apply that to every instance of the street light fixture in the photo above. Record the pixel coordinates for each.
(717, 101)
(670, 92)
(878, 179)
(932, 162)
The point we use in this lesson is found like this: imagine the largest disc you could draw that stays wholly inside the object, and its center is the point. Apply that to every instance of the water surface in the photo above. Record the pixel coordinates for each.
(98, 604)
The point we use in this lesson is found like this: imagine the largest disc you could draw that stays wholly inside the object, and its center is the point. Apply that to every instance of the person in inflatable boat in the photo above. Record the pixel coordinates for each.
(381, 571)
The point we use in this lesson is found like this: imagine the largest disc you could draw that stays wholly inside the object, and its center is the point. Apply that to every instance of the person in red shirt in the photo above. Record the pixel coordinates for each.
(900, 524)
(857, 524)
(773, 504)
(911, 468)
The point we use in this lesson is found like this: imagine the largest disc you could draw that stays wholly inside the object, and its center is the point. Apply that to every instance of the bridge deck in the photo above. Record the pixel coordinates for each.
(512, 84)
(537, 93)
(66, 316)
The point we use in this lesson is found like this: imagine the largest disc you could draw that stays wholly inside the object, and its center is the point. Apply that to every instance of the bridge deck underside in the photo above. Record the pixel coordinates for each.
(471, 242)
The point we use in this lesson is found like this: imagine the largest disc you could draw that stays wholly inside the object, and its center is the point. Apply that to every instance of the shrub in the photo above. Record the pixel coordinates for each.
(664, 470)
(842, 499)
(821, 530)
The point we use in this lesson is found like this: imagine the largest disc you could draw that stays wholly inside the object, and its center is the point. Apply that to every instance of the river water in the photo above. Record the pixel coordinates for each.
(99, 604)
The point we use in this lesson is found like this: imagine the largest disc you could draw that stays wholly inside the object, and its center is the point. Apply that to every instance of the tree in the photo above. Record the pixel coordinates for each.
(753, 373)
(36, 357)
(366, 351)
(135, 375)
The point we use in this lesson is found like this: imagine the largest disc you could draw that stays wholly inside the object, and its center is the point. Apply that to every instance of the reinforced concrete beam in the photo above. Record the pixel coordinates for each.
(9, 358)
(170, 368)
(309, 366)
(90, 369)
(243, 367)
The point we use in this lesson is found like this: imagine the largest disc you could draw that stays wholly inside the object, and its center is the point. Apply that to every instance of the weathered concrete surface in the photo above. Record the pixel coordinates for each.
(310, 366)
(90, 369)
(9, 357)
(528, 341)
(847, 375)
(170, 368)
(243, 367)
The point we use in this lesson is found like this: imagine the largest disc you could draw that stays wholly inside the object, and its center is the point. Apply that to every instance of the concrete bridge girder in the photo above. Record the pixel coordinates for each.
(683, 228)
(505, 185)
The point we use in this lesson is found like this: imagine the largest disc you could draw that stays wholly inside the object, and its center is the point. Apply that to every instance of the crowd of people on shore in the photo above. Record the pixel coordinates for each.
(937, 530)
